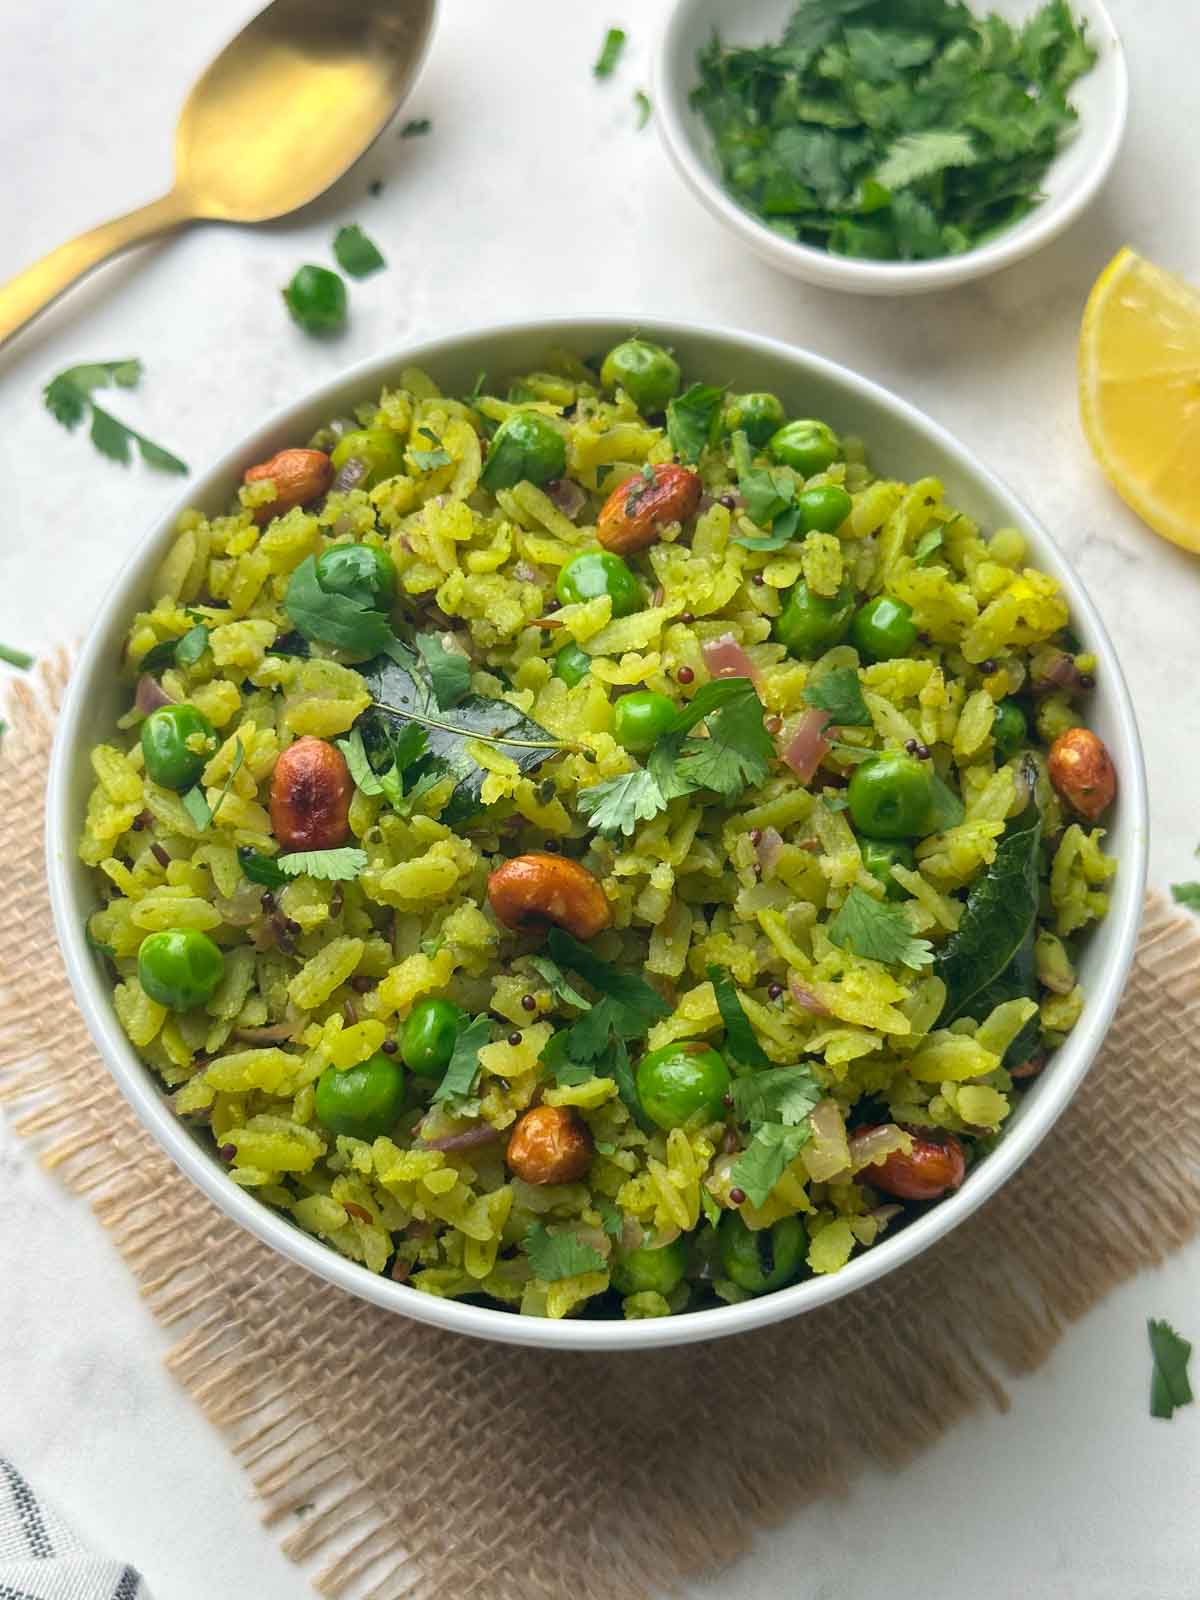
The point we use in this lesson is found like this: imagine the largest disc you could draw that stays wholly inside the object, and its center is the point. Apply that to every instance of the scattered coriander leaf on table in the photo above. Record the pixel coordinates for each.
(1186, 894)
(332, 866)
(875, 931)
(68, 398)
(559, 1255)
(610, 53)
(15, 658)
(1169, 1385)
(839, 692)
(415, 128)
(641, 101)
(355, 253)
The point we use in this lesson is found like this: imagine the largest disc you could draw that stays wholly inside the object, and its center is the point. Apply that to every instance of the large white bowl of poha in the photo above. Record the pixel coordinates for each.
(598, 835)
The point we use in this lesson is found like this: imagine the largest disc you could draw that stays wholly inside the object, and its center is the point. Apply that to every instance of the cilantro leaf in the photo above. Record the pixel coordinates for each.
(839, 692)
(559, 1255)
(459, 1077)
(928, 545)
(196, 806)
(366, 780)
(610, 53)
(947, 810)
(611, 1218)
(558, 983)
(740, 1041)
(637, 1004)
(779, 1094)
(766, 491)
(449, 672)
(760, 1166)
(619, 1068)
(415, 128)
(1169, 1386)
(330, 865)
(738, 751)
(1186, 894)
(642, 101)
(68, 398)
(261, 868)
(355, 253)
(334, 619)
(874, 931)
(15, 658)
(235, 766)
(914, 156)
(692, 419)
(618, 804)
(427, 460)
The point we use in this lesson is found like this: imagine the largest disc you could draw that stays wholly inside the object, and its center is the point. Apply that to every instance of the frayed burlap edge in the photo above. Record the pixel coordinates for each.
(438, 1468)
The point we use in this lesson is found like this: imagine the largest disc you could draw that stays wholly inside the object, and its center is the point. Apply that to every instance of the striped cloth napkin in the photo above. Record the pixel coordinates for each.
(41, 1559)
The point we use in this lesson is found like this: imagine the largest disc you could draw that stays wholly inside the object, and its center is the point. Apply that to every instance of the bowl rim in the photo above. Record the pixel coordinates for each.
(141, 1089)
(1045, 223)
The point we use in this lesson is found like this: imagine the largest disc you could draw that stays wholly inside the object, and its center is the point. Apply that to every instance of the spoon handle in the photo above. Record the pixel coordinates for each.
(22, 298)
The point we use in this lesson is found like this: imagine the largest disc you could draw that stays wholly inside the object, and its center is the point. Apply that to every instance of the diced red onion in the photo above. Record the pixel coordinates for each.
(524, 573)
(469, 1139)
(1062, 673)
(150, 695)
(725, 658)
(160, 855)
(808, 747)
(567, 495)
(705, 503)
(806, 999)
(768, 849)
(350, 474)
(400, 1270)
(885, 1214)
(632, 1234)
(598, 1239)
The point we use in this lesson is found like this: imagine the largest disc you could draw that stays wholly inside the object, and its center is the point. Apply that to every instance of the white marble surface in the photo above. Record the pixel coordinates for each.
(534, 194)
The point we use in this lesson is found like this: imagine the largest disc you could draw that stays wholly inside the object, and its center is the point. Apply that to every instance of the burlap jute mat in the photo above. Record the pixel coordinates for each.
(441, 1468)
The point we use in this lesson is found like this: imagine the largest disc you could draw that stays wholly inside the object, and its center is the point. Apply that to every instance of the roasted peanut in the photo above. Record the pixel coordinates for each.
(1081, 769)
(311, 791)
(298, 475)
(540, 887)
(549, 1144)
(936, 1163)
(637, 510)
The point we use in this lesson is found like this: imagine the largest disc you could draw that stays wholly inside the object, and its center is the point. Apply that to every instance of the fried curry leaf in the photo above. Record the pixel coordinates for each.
(1000, 912)
(402, 696)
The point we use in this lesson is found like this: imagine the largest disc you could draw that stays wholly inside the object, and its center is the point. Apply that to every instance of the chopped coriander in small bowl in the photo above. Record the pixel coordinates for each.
(892, 146)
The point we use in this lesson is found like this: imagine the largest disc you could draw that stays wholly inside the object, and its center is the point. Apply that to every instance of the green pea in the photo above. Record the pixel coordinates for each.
(179, 967)
(177, 742)
(646, 372)
(640, 719)
(890, 796)
(527, 448)
(761, 1259)
(428, 1035)
(650, 1271)
(880, 856)
(316, 299)
(757, 415)
(572, 665)
(381, 450)
(684, 1082)
(361, 572)
(807, 447)
(1009, 729)
(810, 624)
(883, 629)
(362, 1102)
(597, 572)
(823, 510)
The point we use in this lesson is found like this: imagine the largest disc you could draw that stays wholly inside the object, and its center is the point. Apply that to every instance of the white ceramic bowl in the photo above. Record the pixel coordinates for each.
(1070, 184)
(901, 441)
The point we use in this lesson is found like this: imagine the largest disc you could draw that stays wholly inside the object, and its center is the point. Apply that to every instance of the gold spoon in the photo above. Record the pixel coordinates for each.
(282, 112)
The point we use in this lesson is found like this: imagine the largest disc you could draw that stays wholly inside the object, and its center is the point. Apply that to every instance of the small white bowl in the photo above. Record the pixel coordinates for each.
(900, 440)
(1101, 98)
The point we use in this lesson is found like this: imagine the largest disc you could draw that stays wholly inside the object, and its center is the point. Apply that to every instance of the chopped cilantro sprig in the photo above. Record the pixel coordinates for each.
(68, 399)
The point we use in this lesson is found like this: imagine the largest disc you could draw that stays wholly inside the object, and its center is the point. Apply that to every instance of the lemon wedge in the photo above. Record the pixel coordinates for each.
(1139, 391)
